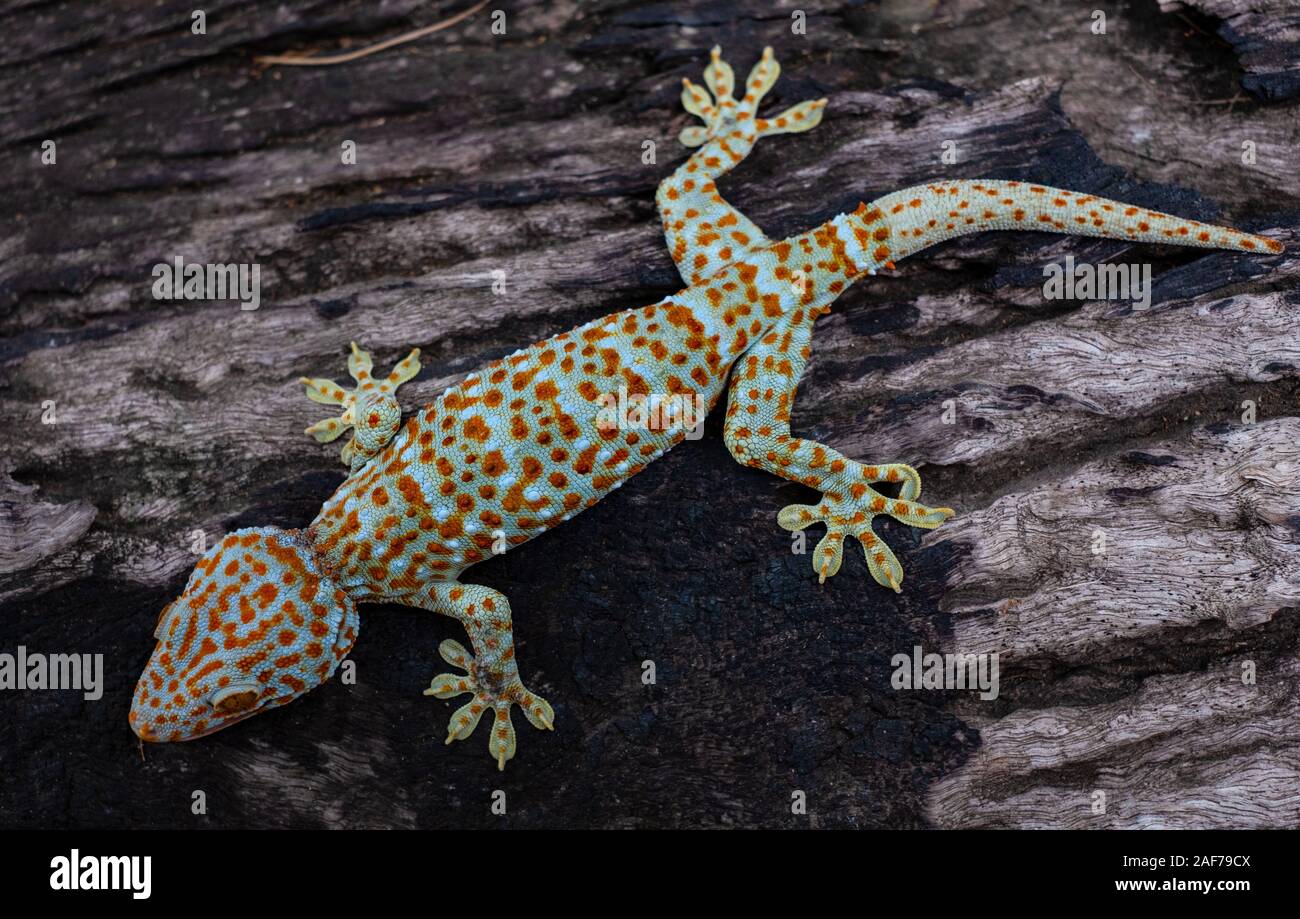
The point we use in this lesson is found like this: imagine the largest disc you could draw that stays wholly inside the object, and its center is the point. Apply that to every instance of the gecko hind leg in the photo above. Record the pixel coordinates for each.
(757, 432)
(703, 230)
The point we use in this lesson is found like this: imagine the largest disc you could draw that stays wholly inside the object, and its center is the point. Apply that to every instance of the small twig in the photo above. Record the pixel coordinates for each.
(1138, 75)
(1233, 101)
(1230, 103)
(294, 60)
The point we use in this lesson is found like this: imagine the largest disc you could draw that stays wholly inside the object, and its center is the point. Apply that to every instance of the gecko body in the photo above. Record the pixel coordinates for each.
(526, 443)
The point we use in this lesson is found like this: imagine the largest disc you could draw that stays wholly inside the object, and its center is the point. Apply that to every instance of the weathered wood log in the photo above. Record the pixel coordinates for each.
(1266, 36)
(484, 158)
(32, 530)
(1161, 586)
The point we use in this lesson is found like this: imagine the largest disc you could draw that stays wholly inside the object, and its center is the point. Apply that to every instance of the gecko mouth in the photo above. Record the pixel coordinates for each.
(149, 734)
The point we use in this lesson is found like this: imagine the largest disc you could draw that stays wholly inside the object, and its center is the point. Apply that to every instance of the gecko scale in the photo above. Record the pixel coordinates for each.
(519, 446)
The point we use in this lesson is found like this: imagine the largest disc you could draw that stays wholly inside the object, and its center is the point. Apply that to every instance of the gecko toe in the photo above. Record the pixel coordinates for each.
(726, 115)
(496, 692)
(850, 512)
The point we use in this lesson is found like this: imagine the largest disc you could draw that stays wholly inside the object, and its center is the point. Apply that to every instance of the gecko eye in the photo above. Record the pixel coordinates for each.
(238, 697)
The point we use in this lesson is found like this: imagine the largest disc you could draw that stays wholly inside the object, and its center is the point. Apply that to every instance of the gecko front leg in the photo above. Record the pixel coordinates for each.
(371, 409)
(491, 676)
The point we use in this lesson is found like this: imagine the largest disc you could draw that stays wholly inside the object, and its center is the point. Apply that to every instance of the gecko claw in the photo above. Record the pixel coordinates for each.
(894, 585)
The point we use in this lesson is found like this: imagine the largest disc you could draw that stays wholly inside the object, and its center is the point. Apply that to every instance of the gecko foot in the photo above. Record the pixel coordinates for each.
(724, 116)
(495, 691)
(849, 512)
(371, 409)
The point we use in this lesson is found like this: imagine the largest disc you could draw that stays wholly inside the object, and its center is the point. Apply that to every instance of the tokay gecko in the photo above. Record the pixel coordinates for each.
(522, 445)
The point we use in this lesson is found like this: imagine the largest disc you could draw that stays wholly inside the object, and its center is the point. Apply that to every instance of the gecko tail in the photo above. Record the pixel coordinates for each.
(907, 221)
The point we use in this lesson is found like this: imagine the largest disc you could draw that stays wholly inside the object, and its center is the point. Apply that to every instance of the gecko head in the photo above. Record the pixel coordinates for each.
(259, 624)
